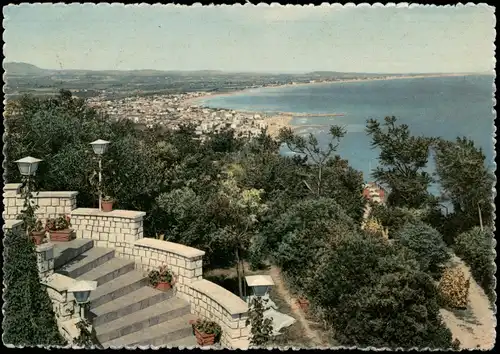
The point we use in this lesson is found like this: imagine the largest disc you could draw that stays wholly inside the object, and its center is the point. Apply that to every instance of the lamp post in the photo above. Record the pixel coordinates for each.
(100, 146)
(81, 292)
(260, 284)
(27, 168)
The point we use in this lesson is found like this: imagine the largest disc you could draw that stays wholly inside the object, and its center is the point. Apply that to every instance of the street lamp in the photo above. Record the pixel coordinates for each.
(81, 291)
(100, 146)
(28, 166)
(260, 284)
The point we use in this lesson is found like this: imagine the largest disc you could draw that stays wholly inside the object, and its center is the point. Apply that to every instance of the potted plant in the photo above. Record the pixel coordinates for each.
(161, 278)
(107, 203)
(206, 332)
(38, 232)
(59, 229)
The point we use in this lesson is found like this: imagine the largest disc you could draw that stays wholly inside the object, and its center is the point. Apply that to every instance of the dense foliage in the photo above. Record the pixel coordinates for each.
(402, 160)
(467, 183)
(477, 249)
(427, 245)
(239, 200)
(29, 318)
(262, 328)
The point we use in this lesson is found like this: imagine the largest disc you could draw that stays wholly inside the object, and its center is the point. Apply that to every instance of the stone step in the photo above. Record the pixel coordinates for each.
(66, 251)
(117, 288)
(139, 320)
(86, 262)
(108, 271)
(163, 334)
(187, 342)
(130, 303)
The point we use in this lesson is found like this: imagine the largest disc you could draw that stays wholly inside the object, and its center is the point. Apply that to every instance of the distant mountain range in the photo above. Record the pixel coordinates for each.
(25, 69)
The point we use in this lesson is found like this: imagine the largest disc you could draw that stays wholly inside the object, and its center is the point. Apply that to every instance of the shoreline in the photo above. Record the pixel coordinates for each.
(275, 121)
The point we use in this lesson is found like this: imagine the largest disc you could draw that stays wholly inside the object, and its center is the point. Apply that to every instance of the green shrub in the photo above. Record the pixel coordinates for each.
(374, 294)
(427, 244)
(475, 247)
(400, 310)
(29, 318)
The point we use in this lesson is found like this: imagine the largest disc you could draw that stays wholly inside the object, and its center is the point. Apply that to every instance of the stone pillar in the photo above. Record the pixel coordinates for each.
(45, 259)
(64, 304)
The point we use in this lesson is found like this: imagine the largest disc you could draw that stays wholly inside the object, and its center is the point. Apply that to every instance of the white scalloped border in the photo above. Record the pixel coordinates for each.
(274, 5)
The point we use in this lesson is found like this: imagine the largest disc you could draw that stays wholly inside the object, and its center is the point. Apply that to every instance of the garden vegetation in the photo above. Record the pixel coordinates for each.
(239, 200)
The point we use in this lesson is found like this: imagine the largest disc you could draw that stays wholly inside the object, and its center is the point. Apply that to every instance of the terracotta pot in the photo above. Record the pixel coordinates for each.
(107, 205)
(203, 338)
(163, 286)
(37, 237)
(61, 235)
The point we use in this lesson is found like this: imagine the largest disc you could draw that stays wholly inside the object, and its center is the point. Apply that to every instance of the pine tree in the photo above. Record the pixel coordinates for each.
(29, 318)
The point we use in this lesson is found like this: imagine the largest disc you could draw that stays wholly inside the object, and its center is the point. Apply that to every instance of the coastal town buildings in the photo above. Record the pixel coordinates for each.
(171, 111)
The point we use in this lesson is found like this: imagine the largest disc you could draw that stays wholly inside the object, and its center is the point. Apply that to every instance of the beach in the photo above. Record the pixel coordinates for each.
(279, 120)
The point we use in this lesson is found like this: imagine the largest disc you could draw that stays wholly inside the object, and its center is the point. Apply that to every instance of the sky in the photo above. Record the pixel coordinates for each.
(252, 38)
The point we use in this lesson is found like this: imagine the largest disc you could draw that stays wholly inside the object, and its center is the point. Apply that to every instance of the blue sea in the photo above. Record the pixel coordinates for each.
(436, 106)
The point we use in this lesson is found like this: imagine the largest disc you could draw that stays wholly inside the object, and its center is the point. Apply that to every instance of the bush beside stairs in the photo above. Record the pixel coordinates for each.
(124, 309)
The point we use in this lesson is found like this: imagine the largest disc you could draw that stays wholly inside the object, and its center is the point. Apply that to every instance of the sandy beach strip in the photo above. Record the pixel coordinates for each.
(279, 120)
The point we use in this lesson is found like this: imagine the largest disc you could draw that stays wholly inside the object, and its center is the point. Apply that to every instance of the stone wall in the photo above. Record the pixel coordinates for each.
(117, 229)
(50, 204)
(186, 263)
(213, 302)
(14, 225)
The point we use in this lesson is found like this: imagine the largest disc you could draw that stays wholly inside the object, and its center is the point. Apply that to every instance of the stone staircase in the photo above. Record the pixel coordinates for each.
(125, 310)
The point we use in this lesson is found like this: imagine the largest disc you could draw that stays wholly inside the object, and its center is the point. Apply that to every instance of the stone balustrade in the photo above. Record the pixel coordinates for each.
(50, 204)
(186, 263)
(117, 229)
(213, 302)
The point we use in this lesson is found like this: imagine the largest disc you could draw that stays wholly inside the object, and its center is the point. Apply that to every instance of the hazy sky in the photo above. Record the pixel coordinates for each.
(251, 38)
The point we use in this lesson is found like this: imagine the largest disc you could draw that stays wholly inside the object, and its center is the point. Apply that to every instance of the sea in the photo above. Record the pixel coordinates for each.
(445, 107)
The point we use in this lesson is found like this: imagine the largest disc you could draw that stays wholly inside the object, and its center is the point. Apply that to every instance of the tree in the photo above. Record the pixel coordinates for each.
(402, 160)
(29, 318)
(400, 311)
(374, 294)
(466, 182)
(312, 150)
(236, 211)
(477, 249)
(427, 245)
(261, 328)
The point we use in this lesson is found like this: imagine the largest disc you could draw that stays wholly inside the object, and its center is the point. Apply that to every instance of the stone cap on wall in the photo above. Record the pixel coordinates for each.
(127, 214)
(58, 194)
(10, 224)
(171, 247)
(229, 301)
(9, 187)
(16, 187)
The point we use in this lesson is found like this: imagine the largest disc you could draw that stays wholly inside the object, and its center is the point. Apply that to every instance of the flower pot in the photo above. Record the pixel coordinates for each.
(61, 235)
(37, 237)
(203, 338)
(107, 205)
(163, 286)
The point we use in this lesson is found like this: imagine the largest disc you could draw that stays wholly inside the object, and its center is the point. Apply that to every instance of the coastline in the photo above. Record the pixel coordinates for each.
(279, 120)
